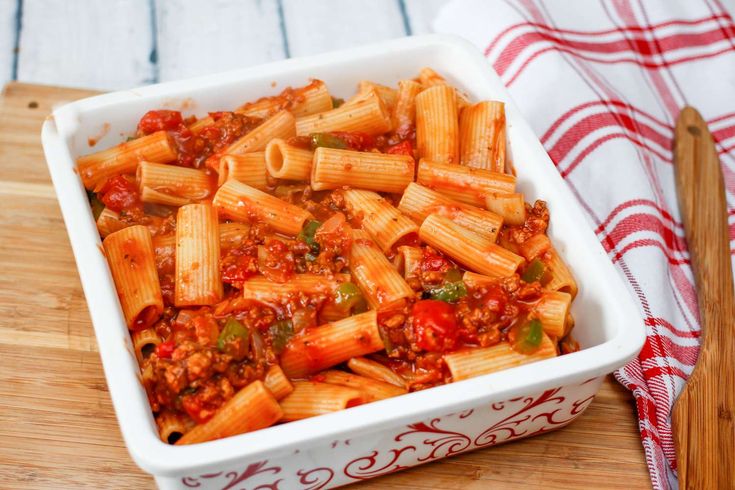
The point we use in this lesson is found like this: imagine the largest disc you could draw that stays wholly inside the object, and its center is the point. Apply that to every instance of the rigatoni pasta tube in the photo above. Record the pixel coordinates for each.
(371, 390)
(561, 277)
(552, 310)
(324, 346)
(412, 257)
(375, 370)
(284, 161)
(430, 78)
(511, 207)
(197, 256)
(232, 234)
(418, 202)
(144, 341)
(474, 280)
(252, 408)
(383, 287)
(368, 115)
(464, 184)
(153, 196)
(404, 112)
(476, 362)
(172, 426)
(384, 223)
(387, 94)
(131, 259)
(244, 203)
(277, 382)
(482, 136)
(311, 398)
(109, 222)
(437, 129)
(535, 246)
(248, 168)
(186, 183)
(300, 101)
(466, 247)
(262, 289)
(279, 125)
(380, 172)
(94, 169)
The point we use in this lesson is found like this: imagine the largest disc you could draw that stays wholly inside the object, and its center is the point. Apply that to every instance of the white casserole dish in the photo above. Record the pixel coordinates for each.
(385, 436)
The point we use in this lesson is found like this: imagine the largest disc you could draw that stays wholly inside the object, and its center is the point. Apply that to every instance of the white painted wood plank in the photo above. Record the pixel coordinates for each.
(421, 14)
(86, 43)
(316, 26)
(8, 10)
(197, 37)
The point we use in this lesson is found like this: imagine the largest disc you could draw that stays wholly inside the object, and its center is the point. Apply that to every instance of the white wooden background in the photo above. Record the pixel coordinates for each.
(114, 44)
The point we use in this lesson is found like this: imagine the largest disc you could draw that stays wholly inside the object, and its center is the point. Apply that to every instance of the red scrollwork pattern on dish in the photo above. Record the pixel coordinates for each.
(511, 427)
(371, 465)
(454, 442)
(233, 478)
(317, 478)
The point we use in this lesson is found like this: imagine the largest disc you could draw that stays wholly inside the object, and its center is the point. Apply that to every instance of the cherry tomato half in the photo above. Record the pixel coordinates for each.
(434, 325)
(402, 148)
(164, 350)
(118, 193)
(154, 121)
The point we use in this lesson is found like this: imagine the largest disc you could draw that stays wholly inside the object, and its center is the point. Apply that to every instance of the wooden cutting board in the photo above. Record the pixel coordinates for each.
(57, 426)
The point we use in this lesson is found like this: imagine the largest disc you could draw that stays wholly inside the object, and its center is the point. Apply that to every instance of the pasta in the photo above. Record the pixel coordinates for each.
(130, 255)
(170, 181)
(482, 136)
(464, 184)
(330, 344)
(249, 168)
(197, 256)
(437, 129)
(311, 398)
(476, 362)
(469, 248)
(243, 203)
(310, 99)
(289, 258)
(250, 409)
(372, 171)
(382, 285)
(288, 162)
(418, 202)
(279, 125)
(123, 158)
(370, 389)
(384, 223)
(368, 115)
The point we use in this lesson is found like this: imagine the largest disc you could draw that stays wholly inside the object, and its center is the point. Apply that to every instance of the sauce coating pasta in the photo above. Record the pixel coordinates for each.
(253, 299)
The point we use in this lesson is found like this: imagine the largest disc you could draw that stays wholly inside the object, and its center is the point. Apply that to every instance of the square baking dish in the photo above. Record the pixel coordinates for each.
(377, 438)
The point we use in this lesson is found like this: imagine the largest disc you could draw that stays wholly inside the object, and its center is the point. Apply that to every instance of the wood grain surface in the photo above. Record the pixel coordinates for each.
(57, 426)
(703, 417)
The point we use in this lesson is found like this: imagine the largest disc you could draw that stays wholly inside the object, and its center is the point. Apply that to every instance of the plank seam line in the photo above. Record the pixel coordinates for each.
(404, 14)
(16, 47)
(153, 57)
(284, 34)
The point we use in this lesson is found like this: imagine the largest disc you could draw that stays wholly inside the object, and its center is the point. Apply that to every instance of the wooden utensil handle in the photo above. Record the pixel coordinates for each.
(704, 429)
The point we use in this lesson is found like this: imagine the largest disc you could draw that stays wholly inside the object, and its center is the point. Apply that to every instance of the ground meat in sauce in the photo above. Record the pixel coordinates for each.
(194, 369)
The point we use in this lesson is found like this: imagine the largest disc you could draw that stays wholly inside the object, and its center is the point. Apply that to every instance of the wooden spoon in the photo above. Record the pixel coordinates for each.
(703, 417)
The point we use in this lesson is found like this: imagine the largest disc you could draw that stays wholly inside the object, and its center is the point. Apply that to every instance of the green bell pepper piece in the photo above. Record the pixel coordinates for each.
(307, 235)
(233, 329)
(281, 332)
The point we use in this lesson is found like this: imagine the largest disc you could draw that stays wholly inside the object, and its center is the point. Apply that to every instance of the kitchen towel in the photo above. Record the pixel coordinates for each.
(601, 82)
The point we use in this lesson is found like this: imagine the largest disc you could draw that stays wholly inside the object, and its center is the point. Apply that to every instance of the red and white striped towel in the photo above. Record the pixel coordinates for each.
(601, 82)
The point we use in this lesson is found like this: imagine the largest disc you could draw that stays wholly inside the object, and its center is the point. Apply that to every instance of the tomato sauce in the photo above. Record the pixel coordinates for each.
(206, 354)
